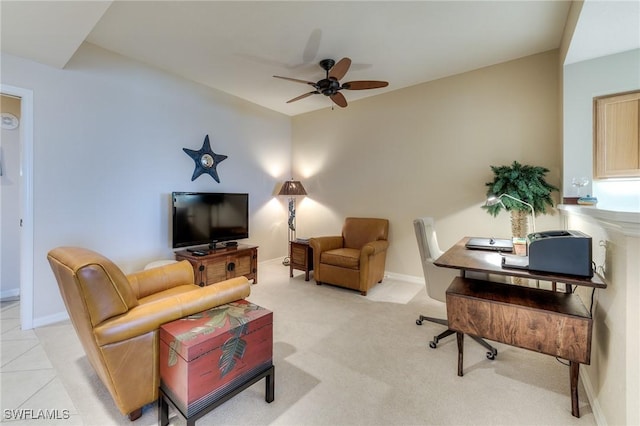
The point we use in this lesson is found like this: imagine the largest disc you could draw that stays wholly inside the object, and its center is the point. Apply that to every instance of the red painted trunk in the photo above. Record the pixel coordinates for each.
(205, 355)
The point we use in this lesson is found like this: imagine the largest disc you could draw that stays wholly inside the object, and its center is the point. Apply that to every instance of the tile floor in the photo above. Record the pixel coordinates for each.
(29, 388)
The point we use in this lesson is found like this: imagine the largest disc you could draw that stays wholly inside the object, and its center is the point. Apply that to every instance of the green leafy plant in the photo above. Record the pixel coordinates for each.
(526, 183)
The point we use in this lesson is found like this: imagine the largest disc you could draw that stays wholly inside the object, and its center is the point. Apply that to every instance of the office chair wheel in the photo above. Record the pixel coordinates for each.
(419, 322)
(492, 354)
(433, 344)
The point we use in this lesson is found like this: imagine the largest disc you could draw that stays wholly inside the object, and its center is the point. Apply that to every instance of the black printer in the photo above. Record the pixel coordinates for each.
(560, 252)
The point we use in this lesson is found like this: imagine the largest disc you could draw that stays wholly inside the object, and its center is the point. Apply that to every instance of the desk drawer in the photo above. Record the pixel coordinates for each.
(549, 322)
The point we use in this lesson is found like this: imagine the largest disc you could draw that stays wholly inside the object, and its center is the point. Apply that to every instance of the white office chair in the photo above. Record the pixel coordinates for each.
(437, 279)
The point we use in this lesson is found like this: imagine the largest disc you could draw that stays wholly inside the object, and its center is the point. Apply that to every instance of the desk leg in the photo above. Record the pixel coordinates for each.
(574, 368)
(460, 339)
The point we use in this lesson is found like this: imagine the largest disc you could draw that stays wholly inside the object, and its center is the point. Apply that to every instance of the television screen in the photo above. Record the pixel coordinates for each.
(208, 218)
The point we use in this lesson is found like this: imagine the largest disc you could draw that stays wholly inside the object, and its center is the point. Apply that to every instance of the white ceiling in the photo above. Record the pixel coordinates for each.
(237, 46)
(605, 28)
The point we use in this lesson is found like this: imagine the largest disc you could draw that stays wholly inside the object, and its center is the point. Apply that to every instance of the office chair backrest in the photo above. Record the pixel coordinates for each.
(425, 231)
(437, 279)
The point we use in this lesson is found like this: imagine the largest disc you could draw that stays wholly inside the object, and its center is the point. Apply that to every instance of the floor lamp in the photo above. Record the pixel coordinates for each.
(291, 188)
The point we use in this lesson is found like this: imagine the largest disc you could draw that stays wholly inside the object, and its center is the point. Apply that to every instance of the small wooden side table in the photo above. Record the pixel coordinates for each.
(301, 258)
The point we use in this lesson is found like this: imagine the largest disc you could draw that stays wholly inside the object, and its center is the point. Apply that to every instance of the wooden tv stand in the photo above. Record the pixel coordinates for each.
(223, 263)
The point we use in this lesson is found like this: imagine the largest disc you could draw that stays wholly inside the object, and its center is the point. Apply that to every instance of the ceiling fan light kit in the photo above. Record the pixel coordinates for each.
(330, 85)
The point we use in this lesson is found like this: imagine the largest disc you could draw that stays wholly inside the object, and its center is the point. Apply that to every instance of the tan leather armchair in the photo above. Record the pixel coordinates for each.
(117, 316)
(354, 259)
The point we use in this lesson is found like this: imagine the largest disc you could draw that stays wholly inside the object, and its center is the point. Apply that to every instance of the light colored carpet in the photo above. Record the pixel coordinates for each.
(395, 291)
(344, 359)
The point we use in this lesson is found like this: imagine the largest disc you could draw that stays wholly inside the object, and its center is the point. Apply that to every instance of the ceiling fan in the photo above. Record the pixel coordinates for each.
(330, 85)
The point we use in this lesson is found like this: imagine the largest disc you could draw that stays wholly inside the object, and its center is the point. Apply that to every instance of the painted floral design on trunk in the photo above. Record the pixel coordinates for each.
(234, 314)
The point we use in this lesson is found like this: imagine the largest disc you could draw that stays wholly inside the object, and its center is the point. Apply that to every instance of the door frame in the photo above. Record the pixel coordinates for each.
(26, 202)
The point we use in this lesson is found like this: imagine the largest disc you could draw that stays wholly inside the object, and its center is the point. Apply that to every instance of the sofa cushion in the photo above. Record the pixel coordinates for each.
(342, 257)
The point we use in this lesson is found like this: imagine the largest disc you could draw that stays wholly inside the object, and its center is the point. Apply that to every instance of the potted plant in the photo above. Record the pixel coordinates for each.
(523, 182)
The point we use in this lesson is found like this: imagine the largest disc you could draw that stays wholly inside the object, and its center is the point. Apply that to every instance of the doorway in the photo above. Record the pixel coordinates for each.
(10, 199)
(25, 191)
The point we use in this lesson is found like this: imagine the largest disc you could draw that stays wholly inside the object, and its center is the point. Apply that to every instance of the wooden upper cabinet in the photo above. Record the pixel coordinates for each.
(617, 135)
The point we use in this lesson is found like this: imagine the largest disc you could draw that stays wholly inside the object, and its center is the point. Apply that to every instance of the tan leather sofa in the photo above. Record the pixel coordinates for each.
(355, 259)
(117, 316)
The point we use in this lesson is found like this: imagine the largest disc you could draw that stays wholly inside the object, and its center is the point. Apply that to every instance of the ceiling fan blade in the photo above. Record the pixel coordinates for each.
(315, 92)
(364, 84)
(296, 80)
(340, 69)
(338, 99)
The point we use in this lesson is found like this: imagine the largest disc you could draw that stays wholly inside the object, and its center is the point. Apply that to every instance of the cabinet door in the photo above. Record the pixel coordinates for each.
(242, 265)
(617, 136)
(216, 270)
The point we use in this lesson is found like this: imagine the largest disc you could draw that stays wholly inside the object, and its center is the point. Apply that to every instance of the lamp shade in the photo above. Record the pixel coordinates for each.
(292, 187)
(492, 200)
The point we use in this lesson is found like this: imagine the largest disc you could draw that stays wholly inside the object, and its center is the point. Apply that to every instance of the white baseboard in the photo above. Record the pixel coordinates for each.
(50, 319)
(12, 294)
(403, 277)
(275, 260)
(598, 415)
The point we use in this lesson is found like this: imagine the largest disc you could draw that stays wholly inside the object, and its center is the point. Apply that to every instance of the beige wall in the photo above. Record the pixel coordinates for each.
(426, 151)
(10, 105)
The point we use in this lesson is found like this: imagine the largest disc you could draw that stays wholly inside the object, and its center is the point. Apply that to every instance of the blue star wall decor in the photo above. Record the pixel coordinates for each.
(206, 160)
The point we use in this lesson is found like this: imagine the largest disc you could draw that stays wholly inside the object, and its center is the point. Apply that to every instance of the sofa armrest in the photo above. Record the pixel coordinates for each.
(320, 244)
(154, 280)
(373, 248)
(179, 303)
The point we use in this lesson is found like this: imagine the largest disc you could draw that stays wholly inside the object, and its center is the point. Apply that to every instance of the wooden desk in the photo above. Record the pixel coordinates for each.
(459, 257)
(544, 321)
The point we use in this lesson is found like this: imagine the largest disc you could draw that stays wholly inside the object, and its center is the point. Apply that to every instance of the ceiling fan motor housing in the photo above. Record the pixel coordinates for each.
(328, 86)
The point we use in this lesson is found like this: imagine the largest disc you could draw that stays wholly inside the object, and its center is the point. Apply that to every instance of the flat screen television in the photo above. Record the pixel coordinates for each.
(209, 218)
